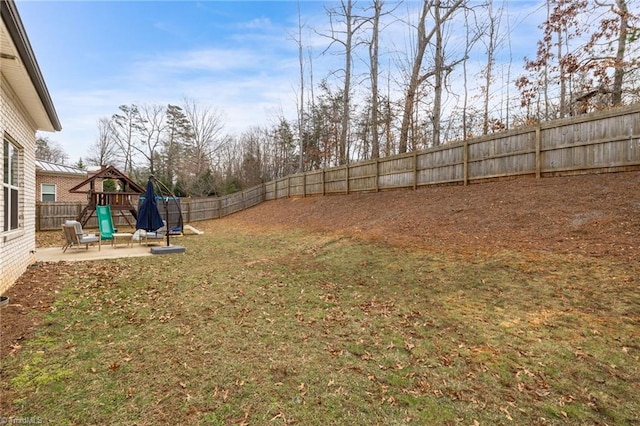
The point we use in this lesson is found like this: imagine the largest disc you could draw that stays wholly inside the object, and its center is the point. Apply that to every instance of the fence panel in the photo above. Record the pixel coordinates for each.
(296, 185)
(254, 196)
(232, 203)
(270, 190)
(282, 187)
(196, 209)
(605, 141)
(314, 183)
(396, 172)
(335, 180)
(501, 156)
(363, 176)
(440, 165)
(52, 215)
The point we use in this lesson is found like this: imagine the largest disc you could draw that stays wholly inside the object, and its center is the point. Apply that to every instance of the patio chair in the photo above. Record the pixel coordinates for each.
(75, 236)
(142, 235)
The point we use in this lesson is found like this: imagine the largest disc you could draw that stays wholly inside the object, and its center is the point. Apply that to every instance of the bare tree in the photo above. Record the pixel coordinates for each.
(556, 62)
(374, 60)
(618, 77)
(125, 127)
(344, 26)
(252, 169)
(151, 126)
(491, 44)
(301, 112)
(418, 76)
(619, 30)
(206, 138)
(103, 151)
(178, 132)
(50, 151)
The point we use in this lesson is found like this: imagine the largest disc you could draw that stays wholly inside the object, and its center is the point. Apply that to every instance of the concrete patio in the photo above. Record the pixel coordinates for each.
(74, 254)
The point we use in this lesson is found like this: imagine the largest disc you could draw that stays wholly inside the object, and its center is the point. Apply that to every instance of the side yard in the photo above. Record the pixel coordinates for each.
(514, 304)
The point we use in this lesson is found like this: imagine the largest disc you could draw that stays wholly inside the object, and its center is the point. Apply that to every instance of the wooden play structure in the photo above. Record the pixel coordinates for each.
(125, 197)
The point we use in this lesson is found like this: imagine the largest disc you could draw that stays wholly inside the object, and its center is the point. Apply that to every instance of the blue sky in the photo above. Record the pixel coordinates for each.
(238, 57)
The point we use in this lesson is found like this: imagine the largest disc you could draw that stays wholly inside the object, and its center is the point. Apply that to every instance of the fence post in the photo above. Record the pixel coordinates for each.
(538, 159)
(415, 169)
(38, 217)
(347, 176)
(304, 185)
(377, 174)
(289, 186)
(465, 162)
(188, 205)
(324, 191)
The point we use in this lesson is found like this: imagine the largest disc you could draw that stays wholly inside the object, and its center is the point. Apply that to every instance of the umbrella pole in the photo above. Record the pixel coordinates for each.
(166, 215)
(168, 248)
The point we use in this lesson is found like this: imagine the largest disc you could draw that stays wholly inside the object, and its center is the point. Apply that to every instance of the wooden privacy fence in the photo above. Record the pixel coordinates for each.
(598, 142)
(51, 216)
(194, 209)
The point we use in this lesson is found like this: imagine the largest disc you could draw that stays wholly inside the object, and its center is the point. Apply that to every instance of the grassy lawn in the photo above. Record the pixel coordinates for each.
(301, 328)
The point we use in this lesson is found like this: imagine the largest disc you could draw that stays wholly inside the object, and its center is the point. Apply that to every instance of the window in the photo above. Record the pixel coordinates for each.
(48, 192)
(10, 185)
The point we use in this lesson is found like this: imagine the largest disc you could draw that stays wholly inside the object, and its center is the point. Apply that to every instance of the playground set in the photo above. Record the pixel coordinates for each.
(164, 208)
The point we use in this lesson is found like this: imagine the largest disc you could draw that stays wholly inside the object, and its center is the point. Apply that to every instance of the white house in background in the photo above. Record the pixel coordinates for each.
(25, 107)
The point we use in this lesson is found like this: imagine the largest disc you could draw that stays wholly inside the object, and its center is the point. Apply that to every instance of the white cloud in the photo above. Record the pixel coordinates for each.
(205, 59)
(256, 24)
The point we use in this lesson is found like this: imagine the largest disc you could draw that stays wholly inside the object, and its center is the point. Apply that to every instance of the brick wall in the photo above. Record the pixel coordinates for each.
(17, 248)
(63, 183)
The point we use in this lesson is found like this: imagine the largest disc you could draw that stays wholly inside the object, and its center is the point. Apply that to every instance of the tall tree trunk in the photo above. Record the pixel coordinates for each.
(563, 77)
(346, 99)
(489, 70)
(439, 76)
(374, 58)
(618, 76)
(465, 101)
(414, 79)
(546, 73)
(301, 107)
(345, 37)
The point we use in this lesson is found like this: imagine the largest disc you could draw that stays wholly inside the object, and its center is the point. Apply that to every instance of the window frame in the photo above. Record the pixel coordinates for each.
(43, 192)
(11, 182)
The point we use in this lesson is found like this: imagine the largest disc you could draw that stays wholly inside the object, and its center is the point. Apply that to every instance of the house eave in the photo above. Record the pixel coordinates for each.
(21, 64)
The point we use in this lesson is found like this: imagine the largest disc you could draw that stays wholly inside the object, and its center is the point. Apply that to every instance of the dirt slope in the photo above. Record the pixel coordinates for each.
(597, 215)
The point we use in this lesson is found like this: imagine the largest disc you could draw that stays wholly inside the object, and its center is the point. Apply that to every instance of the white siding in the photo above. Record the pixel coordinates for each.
(17, 248)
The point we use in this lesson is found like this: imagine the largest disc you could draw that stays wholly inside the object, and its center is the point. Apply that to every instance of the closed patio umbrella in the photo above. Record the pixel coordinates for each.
(149, 218)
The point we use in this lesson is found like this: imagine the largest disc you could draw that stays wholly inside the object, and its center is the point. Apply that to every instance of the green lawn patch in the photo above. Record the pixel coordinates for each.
(308, 329)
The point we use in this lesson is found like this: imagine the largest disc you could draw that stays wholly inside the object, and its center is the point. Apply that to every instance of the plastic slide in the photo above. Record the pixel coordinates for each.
(105, 222)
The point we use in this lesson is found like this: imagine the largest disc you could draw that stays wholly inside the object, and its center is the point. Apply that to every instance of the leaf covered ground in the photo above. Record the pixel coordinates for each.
(512, 302)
